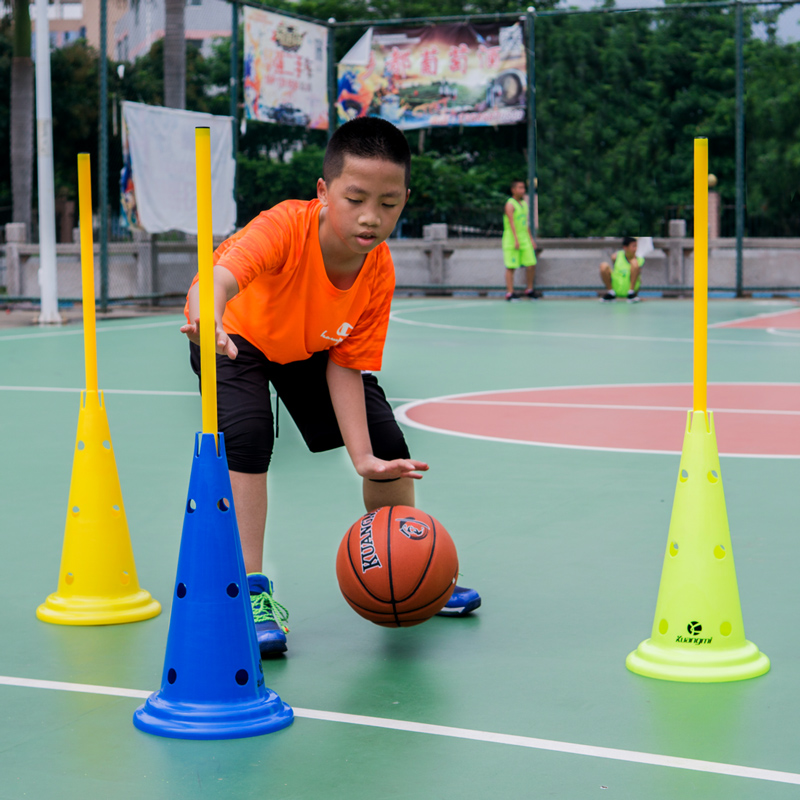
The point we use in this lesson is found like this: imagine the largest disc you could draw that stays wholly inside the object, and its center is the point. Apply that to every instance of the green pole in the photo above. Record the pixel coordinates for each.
(234, 88)
(530, 18)
(103, 159)
(739, 146)
(234, 82)
(331, 77)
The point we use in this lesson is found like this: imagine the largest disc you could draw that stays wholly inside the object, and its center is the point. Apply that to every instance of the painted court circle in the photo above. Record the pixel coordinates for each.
(752, 419)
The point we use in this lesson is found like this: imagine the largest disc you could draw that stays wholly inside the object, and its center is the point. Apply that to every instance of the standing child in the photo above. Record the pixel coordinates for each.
(302, 301)
(519, 249)
(624, 277)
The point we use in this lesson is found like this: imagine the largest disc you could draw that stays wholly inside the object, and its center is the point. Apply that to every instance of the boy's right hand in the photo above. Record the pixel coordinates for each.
(224, 344)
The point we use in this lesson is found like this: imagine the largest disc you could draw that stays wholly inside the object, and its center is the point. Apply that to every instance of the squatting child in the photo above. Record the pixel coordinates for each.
(623, 277)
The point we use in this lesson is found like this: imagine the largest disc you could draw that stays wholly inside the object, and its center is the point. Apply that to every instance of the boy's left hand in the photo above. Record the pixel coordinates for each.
(377, 469)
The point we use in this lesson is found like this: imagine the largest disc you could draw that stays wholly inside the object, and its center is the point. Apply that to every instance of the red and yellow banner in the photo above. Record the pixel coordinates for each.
(459, 74)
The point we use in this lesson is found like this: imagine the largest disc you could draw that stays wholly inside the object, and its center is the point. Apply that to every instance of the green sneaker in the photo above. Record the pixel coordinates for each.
(269, 615)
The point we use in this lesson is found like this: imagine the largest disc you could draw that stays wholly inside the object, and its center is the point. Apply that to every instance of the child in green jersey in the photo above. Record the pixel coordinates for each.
(518, 245)
(623, 278)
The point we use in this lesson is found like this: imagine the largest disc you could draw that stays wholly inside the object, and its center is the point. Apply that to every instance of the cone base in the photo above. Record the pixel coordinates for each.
(186, 720)
(134, 607)
(672, 664)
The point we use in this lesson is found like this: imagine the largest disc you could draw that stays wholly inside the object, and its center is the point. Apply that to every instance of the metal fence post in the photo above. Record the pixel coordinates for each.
(234, 82)
(331, 77)
(739, 143)
(103, 159)
(530, 18)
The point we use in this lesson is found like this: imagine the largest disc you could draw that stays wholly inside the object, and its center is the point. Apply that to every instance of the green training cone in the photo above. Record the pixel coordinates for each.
(698, 633)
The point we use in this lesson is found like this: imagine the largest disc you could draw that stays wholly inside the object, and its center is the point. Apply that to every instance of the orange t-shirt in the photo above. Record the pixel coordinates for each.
(288, 308)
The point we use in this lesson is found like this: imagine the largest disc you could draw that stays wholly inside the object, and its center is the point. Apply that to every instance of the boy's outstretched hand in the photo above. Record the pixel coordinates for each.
(224, 344)
(376, 469)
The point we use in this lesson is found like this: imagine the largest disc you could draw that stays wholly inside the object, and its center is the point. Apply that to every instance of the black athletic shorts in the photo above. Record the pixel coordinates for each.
(244, 410)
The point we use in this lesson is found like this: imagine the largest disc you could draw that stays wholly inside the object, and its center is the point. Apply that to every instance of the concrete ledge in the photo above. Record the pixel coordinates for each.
(771, 263)
(148, 267)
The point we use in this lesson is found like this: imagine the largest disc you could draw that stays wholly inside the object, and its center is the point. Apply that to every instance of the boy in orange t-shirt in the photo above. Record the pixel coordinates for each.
(302, 301)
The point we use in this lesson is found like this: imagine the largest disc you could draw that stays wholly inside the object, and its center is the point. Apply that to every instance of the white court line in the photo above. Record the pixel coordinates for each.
(565, 335)
(79, 331)
(552, 745)
(454, 304)
(401, 414)
(733, 323)
(155, 392)
(792, 334)
(610, 406)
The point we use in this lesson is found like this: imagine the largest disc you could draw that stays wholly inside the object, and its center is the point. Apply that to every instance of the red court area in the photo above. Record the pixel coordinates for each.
(780, 320)
(752, 419)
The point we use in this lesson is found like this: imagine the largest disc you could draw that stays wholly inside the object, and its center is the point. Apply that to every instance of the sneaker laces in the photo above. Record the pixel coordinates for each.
(267, 609)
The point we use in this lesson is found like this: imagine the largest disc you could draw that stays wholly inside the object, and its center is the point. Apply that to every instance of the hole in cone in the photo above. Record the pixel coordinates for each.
(223, 504)
(713, 476)
(673, 549)
(232, 590)
(719, 552)
(684, 476)
(190, 507)
(81, 445)
(125, 578)
(663, 627)
(115, 510)
(172, 676)
(181, 590)
(107, 444)
(242, 676)
(75, 511)
(69, 578)
(726, 628)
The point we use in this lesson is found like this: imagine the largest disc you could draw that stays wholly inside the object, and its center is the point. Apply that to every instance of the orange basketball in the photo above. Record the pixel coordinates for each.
(397, 566)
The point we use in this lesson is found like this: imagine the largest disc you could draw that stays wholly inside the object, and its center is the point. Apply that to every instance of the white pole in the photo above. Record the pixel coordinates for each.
(48, 281)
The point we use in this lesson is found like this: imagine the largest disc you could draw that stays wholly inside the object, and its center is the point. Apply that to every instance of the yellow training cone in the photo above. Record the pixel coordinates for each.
(97, 584)
(698, 634)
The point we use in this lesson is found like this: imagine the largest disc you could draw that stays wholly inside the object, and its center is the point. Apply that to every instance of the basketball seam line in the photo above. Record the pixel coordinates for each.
(355, 570)
(389, 565)
(427, 566)
(391, 613)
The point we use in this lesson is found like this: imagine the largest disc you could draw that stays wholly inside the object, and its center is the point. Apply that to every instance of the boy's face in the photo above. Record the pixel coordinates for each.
(518, 190)
(364, 203)
(629, 250)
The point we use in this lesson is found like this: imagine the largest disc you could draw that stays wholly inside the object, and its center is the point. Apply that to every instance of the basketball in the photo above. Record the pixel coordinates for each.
(397, 566)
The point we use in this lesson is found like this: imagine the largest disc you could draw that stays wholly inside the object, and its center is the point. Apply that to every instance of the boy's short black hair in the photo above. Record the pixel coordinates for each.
(626, 240)
(366, 137)
(515, 182)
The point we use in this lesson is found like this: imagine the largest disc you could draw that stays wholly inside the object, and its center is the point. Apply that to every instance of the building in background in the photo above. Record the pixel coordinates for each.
(70, 21)
(143, 23)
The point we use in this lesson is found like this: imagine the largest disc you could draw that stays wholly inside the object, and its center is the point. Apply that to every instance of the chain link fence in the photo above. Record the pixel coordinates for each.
(620, 95)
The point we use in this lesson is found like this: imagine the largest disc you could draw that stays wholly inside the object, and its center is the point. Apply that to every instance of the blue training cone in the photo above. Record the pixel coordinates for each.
(213, 684)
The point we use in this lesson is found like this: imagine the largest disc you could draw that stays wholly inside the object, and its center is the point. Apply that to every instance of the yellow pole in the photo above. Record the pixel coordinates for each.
(87, 269)
(205, 252)
(700, 402)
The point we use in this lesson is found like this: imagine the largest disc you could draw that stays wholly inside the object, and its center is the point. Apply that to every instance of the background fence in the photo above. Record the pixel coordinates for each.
(620, 96)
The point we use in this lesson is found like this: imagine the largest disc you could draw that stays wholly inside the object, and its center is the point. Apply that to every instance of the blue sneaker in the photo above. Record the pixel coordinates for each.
(461, 602)
(269, 615)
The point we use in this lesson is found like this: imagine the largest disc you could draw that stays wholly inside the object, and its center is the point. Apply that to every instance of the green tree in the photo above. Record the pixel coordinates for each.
(773, 138)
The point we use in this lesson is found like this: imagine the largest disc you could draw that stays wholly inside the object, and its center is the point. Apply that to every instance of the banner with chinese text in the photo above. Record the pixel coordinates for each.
(459, 74)
(285, 70)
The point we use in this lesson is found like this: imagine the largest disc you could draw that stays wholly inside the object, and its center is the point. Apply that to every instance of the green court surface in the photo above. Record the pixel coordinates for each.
(527, 698)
